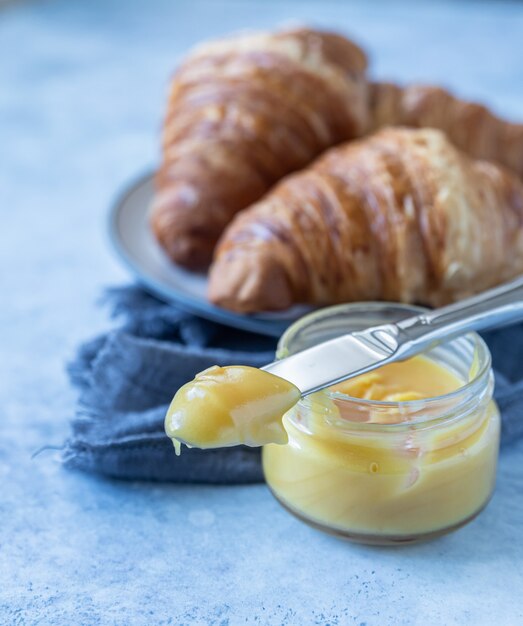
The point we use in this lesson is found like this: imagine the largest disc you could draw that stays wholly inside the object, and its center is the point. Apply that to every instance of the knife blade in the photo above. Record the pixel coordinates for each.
(335, 360)
(356, 353)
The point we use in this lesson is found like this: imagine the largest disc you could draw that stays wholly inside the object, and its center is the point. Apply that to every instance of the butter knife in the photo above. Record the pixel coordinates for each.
(356, 353)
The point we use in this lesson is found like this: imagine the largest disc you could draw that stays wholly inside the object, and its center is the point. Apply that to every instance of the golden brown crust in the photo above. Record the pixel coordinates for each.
(243, 113)
(400, 216)
(470, 126)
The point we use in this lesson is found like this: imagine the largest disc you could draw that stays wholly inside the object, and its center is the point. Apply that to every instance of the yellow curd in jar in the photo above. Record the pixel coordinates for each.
(406, 467)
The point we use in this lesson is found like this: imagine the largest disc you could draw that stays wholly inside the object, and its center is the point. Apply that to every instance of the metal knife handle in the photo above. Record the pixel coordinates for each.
(496, 307)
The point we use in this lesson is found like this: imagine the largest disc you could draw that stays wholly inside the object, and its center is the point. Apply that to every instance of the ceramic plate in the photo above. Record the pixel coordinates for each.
(134, 242)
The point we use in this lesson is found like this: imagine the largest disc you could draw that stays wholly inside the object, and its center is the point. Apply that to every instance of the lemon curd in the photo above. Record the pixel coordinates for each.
(404, 453)
(414, 379)
(227, 406)
(370, 483)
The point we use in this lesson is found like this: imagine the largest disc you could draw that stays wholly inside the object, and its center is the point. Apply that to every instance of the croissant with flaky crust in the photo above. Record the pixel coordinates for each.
(469, 126)
(243, 113)
(401, 216)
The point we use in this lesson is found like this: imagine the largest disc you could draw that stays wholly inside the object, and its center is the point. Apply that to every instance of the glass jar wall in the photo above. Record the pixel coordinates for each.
(383, 471)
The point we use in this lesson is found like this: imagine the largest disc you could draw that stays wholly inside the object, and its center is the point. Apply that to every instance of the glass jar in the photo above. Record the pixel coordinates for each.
(429, 469)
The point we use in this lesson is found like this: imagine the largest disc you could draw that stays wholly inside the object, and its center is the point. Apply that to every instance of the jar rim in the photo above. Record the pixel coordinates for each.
(465, 391)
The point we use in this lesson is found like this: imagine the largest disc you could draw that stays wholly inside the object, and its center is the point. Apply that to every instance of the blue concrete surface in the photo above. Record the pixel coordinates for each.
(82, 88)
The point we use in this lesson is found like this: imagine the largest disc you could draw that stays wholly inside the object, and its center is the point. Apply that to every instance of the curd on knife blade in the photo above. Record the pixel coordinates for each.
(228, 406)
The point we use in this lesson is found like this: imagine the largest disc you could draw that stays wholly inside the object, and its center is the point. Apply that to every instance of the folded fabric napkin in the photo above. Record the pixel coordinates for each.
(127, 378)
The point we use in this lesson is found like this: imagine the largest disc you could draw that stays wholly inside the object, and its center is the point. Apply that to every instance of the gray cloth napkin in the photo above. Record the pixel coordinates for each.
(127, 378)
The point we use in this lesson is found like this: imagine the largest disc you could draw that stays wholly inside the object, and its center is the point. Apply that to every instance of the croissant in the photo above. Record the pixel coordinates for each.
(469, 126)
(243, 113)
(400, 216)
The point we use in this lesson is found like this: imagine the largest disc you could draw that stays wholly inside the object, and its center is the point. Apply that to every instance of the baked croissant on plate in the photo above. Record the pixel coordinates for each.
(243, 113)
(469, 126)
(401, 216)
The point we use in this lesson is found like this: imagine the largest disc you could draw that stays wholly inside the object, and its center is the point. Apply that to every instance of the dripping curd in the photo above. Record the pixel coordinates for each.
(228, 406)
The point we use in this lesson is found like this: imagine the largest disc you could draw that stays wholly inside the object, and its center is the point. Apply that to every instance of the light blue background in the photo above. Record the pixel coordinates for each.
(82, 94)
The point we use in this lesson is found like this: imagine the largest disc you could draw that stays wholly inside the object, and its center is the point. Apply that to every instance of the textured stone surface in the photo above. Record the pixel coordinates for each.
(82, 88)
